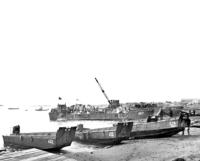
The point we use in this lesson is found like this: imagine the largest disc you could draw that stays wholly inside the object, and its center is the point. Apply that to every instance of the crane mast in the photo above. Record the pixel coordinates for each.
(103, 92)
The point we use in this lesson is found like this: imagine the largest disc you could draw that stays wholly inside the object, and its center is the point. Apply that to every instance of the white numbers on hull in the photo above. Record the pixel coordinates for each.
(172, 124)
(50, 141)
(140, 113)
(111, 134)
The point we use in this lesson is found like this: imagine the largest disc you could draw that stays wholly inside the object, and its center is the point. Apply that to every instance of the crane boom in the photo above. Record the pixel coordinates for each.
(103, 92)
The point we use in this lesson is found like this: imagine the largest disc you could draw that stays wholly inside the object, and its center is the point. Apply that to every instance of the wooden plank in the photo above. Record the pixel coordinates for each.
(62, 158)
(33, 155)
(36, 157)
(47, 158)
(23, 153)
(38, 154)
(9, 159)
(17, 153)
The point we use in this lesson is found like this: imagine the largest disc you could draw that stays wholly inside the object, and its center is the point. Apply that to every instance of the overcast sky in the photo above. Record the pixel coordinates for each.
(138, 50)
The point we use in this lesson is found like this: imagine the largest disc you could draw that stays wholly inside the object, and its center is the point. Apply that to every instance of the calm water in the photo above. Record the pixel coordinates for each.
(38, 121)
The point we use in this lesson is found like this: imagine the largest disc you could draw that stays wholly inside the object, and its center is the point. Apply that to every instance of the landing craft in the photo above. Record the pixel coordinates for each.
(114, 111)
(41, 140)
(104, 136)
(156, 126)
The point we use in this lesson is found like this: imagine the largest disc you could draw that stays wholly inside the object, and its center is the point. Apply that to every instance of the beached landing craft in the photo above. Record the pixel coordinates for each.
(162, 128)
(154, 128)
(104, 136)
(40, 140)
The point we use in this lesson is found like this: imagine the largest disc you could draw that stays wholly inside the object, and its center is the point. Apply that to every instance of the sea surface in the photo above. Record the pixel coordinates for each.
(38, 121)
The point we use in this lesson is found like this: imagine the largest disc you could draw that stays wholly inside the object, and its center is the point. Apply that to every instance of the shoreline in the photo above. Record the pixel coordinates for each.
(159, 149)
(156, 149)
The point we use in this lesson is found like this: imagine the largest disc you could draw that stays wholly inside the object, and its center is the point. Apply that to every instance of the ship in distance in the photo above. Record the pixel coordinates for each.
(114, 111)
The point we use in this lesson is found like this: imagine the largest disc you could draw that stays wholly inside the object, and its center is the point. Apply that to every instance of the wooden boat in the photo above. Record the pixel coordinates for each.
(40, 140)
(157, 128)
(104, 136)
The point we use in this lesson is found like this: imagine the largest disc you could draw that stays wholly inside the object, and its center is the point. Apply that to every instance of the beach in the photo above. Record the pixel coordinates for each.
(162, 149)
(158, 149)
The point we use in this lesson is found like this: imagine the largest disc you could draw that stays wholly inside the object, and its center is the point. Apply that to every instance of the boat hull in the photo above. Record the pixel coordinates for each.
(45, 141)
(100, 141)
(105, 136)
(156, 133)
(164, 128)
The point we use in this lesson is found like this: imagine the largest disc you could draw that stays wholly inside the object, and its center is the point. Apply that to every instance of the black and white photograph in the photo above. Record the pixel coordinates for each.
(108, 80)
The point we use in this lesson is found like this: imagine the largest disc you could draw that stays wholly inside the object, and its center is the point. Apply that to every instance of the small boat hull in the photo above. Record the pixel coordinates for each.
(99, 141)
(105, 136)
(162, 128)
(43, 140)
(156, 133)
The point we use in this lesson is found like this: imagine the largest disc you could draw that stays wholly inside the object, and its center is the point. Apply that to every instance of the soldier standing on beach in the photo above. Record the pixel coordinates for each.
(186, 123)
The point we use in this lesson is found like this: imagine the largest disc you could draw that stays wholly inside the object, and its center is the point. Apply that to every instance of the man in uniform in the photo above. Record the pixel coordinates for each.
(186, 123)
